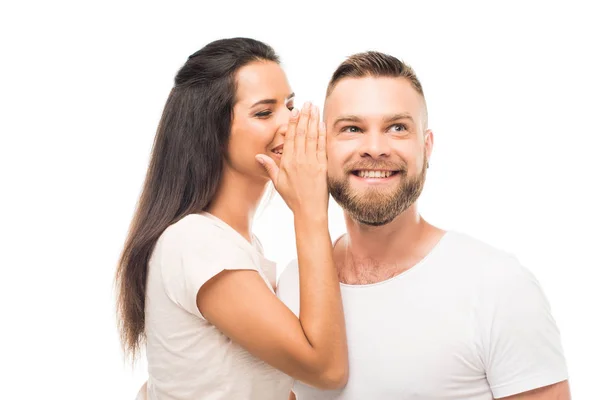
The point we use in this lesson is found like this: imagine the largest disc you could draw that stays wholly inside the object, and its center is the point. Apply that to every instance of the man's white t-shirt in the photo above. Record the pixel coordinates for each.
(188, 358)
(468, 322)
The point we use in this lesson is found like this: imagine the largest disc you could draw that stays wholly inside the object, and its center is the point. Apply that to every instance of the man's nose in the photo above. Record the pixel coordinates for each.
(375, 145)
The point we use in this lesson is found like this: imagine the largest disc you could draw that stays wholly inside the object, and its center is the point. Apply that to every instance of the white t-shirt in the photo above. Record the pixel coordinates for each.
(468, 322)
(188, 358)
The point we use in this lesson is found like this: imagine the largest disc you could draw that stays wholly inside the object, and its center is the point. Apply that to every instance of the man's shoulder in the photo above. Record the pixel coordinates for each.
(475, 253)
(471, 246)
(487, 267)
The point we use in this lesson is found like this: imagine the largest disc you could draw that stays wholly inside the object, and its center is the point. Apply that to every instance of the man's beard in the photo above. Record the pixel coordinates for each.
(375, 207)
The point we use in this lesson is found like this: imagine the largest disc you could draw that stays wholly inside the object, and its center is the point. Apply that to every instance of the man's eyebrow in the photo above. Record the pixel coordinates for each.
(396, 117)
(388, 119)
(273, 101)
(346, 118)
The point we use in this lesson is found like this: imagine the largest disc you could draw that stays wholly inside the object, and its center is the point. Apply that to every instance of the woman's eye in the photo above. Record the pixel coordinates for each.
(263, 114)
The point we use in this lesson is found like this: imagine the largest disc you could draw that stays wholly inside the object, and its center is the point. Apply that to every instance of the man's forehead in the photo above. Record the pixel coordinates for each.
(371, 96)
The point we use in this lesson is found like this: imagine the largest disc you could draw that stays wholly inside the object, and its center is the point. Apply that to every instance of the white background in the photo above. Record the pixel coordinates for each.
(513, 94)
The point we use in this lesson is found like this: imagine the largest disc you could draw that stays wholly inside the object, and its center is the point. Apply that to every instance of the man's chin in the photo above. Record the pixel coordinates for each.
(373, 201)
(373, 195)
(376, 211)
(361, 219)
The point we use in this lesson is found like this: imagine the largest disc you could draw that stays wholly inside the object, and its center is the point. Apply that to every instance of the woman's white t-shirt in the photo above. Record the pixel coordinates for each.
(188, 358)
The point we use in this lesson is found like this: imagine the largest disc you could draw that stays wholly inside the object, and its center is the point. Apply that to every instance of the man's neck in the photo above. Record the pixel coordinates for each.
(370, 254)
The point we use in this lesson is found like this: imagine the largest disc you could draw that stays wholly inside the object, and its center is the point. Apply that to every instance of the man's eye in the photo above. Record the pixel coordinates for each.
(398, 128)
(350, 129)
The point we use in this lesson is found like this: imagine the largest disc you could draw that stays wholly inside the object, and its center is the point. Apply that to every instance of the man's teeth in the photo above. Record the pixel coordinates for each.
(278, 151)
(374, 174)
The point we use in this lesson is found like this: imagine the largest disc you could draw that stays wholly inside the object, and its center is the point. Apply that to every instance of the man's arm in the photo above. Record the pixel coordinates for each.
(292, 396)
(558, 391)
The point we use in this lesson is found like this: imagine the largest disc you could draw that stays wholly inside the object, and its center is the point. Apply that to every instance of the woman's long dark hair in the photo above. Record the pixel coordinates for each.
(185, 166)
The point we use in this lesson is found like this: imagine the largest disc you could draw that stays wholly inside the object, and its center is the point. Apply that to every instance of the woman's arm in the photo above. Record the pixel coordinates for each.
(311, 348)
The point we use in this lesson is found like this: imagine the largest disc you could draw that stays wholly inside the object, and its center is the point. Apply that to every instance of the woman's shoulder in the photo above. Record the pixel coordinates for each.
(193, 229)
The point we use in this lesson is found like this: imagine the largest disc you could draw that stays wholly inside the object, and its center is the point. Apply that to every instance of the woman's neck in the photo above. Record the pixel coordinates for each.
(237, 199)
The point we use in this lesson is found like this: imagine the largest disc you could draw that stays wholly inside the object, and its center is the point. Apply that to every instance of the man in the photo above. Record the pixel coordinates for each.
(429, 314)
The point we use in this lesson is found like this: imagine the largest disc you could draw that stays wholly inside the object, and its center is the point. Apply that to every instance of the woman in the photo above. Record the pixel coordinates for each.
(193, 284)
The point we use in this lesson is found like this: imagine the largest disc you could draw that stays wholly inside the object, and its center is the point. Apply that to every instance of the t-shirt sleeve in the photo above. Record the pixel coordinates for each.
(190, 260)
(521, 343)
